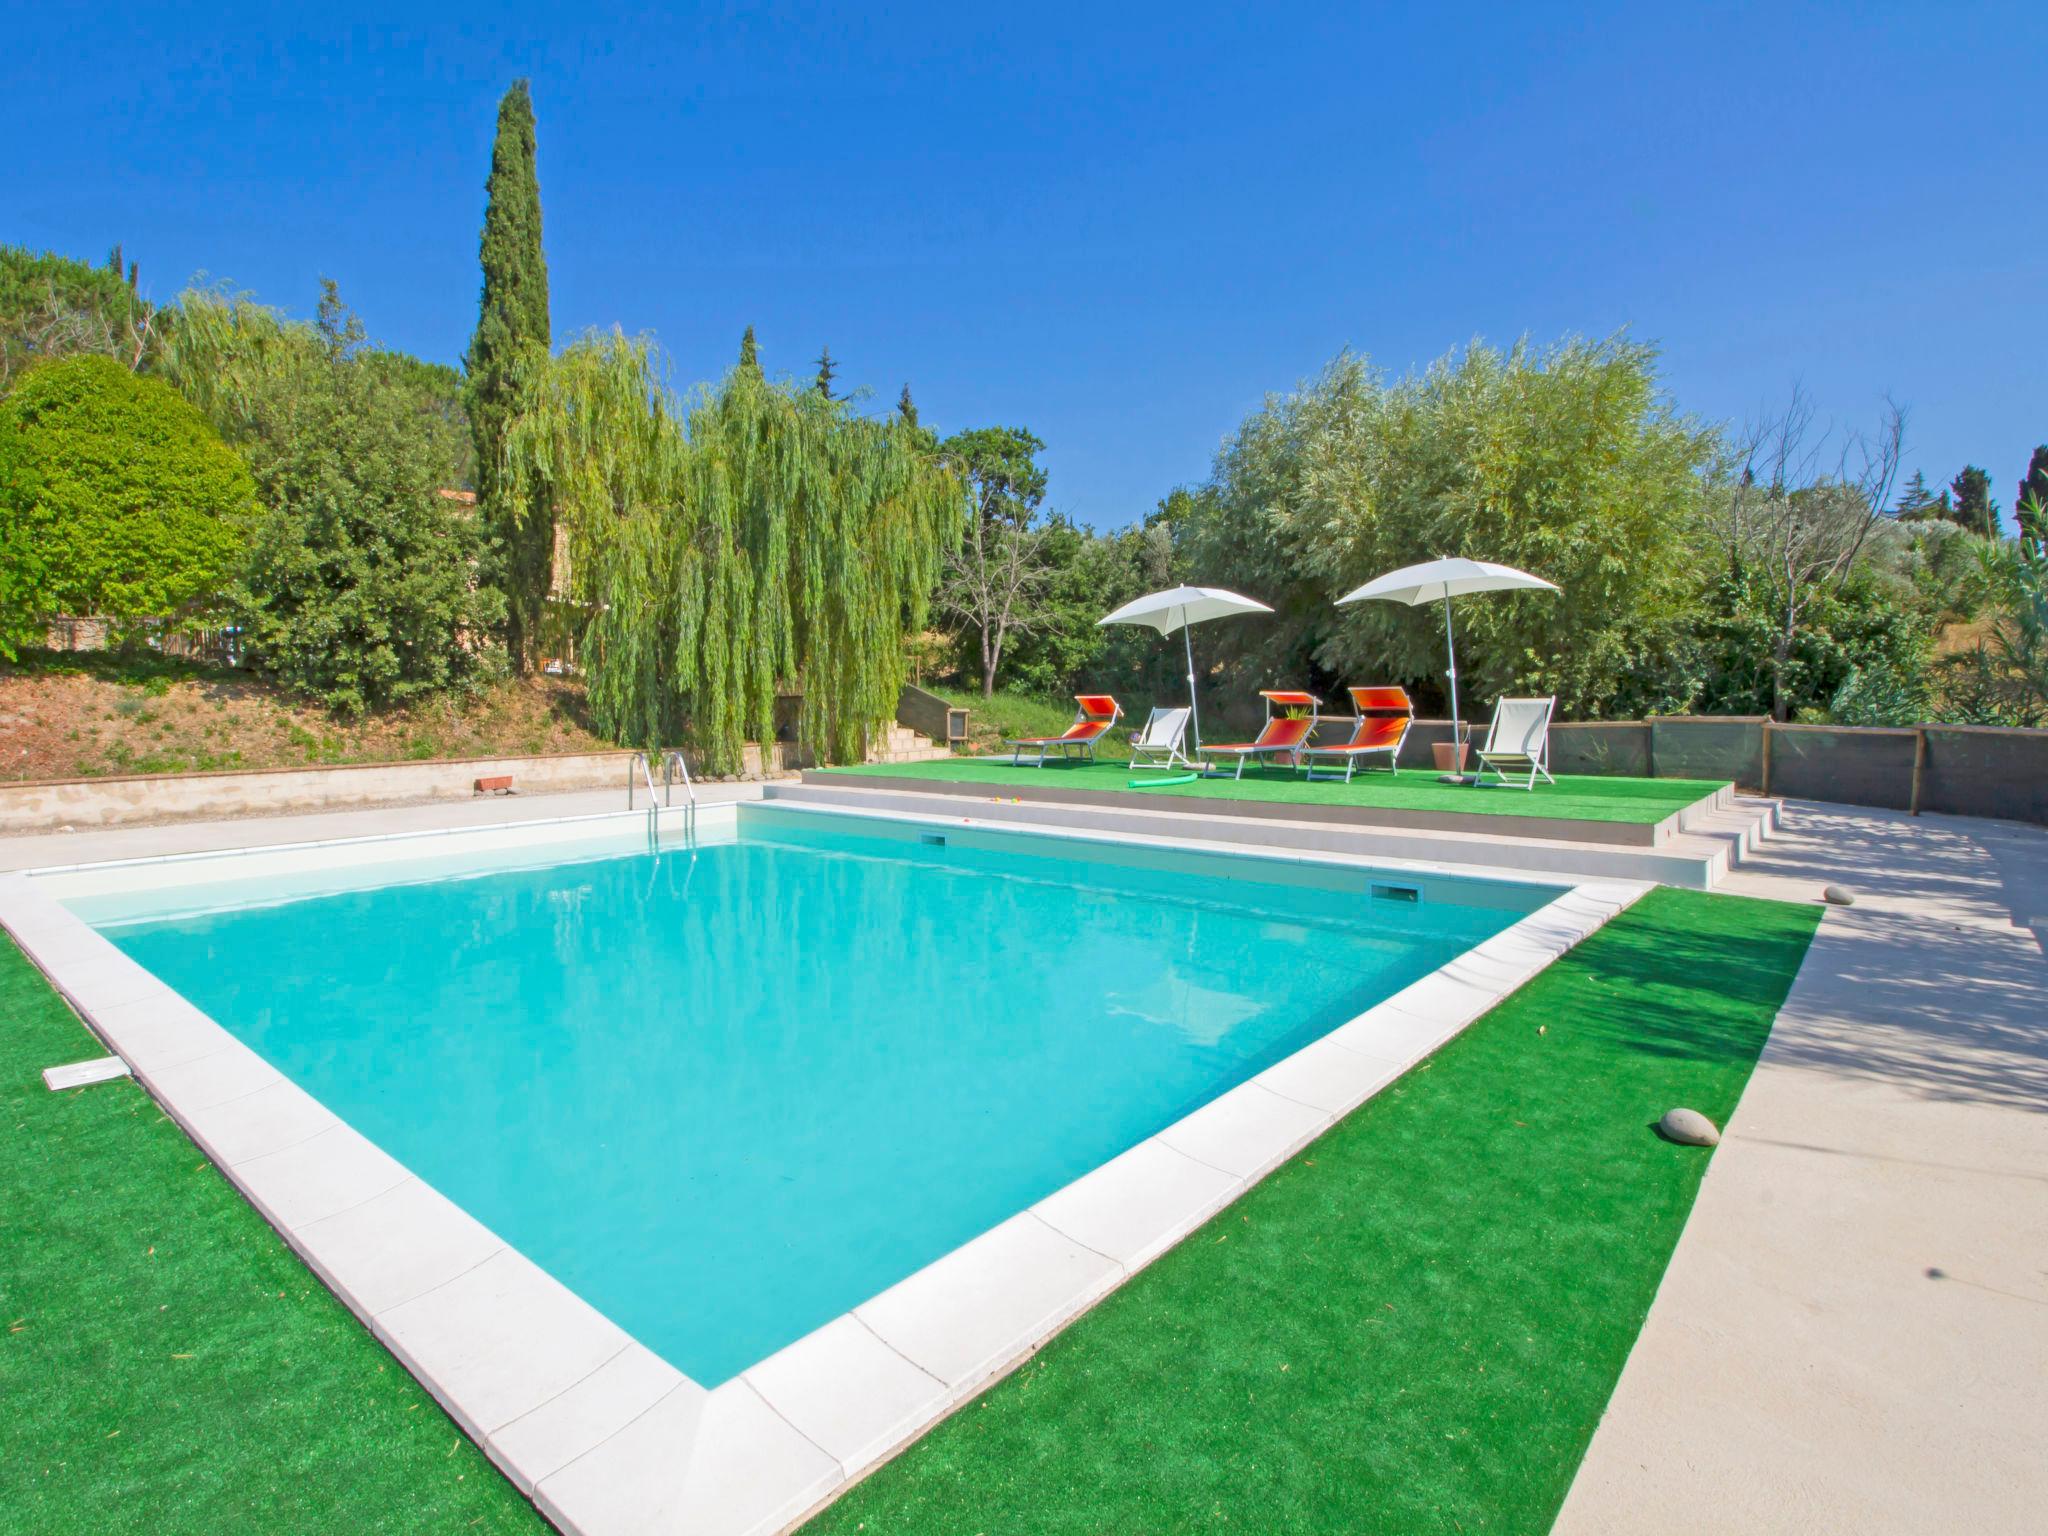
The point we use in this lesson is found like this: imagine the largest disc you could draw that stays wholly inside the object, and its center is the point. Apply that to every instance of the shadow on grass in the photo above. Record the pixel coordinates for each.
(1641, 982)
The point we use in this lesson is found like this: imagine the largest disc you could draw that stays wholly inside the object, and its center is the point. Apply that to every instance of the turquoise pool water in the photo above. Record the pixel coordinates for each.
(728, 1093)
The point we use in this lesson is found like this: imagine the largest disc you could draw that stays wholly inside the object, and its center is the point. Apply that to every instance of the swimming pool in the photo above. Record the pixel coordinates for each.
(726, 1092)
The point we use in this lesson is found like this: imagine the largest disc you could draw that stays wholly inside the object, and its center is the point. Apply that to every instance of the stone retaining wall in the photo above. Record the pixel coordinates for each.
(103, 802)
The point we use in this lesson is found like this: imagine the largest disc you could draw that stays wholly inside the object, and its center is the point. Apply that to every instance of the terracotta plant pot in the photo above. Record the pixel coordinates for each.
(1441, 750)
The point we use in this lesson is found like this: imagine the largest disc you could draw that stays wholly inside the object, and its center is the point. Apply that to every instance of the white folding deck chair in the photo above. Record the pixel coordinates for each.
(1161, 743)
(1517, 746)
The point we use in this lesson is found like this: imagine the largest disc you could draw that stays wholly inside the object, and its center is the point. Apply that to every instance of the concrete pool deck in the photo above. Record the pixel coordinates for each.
(92, 845)
(1853, 1332)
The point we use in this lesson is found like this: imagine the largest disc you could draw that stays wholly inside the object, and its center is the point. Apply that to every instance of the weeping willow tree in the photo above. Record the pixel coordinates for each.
(752, 538)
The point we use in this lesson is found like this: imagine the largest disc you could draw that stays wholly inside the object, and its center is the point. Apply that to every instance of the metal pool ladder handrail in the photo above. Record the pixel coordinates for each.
(672, 765)
(646, 776)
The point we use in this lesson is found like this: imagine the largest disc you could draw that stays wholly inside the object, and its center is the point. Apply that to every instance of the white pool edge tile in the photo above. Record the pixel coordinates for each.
(574, 1431)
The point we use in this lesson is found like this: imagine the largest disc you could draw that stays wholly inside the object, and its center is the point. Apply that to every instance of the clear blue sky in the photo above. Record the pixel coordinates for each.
(1119, 228)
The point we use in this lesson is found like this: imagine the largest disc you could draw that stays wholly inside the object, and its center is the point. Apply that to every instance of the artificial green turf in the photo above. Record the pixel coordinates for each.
(1414, 1326)
(169, 1365)
(1571, 798)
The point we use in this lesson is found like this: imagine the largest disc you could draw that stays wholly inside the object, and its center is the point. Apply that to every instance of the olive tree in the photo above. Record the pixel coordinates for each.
(1566, 461)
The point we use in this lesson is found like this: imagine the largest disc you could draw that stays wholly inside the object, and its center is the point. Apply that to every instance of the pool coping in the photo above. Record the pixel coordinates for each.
(1533, 826)
(604, 1435)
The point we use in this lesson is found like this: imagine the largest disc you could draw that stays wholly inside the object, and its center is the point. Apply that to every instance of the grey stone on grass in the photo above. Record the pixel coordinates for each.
(1689, 1128)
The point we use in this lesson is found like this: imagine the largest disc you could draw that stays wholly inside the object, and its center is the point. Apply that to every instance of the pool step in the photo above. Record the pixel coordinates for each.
(900, 744)
(1715, 836)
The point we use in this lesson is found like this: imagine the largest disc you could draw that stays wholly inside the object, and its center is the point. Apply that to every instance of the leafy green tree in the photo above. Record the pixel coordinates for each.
(52, 306)
(906, 407)
(507, 356)
(24, 598)
(2003, 679)
(1975, 509)
(2032, 497)
(1567, 462)
(750, 356)
(756, 539)
(359, 590)
(1087, 574)
(119, 498)
(995, 581)
(1866, 632)
(1149, 560)
(436, 392)
(1061, 642)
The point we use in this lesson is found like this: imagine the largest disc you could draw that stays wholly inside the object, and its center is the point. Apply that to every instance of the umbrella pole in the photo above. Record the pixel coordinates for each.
(1457, 773)
(1194, 705)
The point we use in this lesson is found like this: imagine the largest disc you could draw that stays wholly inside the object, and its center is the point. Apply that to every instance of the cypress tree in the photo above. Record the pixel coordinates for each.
(827, 372)
(750, 356)
(506, 355)
(906, 407)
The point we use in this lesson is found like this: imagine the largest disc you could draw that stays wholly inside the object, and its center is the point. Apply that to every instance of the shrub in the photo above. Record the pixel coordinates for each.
(360, 586)
(116, 497)
(1880, 695)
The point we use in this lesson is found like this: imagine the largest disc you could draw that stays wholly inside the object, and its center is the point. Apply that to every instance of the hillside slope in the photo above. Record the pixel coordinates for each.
(91, 715)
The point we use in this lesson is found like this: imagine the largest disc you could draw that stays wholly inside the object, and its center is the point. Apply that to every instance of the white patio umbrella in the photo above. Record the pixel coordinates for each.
(1178, 608)
(1440, 581)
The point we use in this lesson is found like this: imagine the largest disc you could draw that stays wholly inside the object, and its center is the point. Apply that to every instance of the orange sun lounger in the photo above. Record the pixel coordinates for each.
(1283, 735)
(1384, 715)
(1097, 712)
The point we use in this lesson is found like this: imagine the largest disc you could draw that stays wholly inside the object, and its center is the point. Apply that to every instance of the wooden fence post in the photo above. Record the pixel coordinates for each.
(1919, 763)
(1768, 733)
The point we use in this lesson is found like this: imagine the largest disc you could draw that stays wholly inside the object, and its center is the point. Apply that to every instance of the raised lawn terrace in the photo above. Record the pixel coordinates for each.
(1412, 1326)
(1641, 802)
